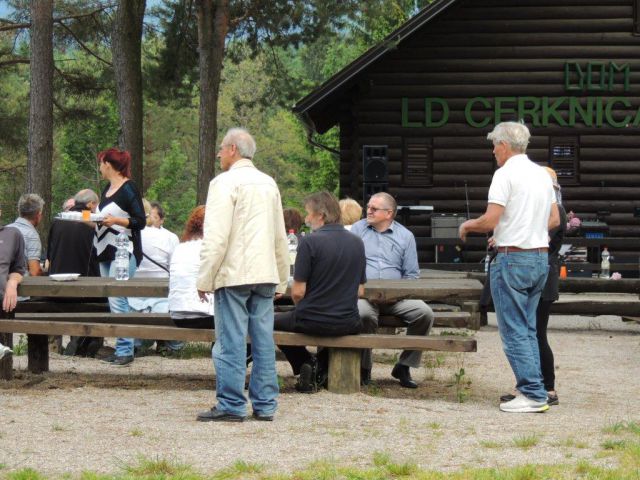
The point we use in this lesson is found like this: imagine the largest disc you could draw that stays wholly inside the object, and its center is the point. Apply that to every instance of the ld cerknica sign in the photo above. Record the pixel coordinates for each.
(566, 111)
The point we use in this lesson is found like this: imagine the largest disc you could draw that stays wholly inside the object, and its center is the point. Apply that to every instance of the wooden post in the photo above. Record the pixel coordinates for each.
(38, 353)
(475, 320)
(344, 370)
(6, 364)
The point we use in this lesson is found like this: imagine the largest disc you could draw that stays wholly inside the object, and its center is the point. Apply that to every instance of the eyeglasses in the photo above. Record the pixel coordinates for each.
(374, 209)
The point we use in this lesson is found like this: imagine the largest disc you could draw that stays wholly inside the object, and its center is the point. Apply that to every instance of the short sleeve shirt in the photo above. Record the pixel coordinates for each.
(525, 191)
(12, 258)
(331, 262)
(32, 243)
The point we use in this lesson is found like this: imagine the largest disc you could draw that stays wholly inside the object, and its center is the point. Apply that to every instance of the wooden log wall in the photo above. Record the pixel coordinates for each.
(490, 48)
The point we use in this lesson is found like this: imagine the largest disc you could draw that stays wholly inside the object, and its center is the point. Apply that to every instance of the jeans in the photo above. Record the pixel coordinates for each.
(124, 346)
(241, 310)
(517, 280)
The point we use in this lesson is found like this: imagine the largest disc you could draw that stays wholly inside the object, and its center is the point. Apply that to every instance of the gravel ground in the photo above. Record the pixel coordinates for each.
(86, 415)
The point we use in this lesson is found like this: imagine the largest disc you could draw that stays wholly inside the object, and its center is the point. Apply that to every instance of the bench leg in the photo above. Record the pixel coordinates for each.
(38, 353)
(6, 364)
(475, 320)
(344, 370)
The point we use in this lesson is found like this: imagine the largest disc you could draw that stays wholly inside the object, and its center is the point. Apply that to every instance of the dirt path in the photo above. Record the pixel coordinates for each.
(88, 415)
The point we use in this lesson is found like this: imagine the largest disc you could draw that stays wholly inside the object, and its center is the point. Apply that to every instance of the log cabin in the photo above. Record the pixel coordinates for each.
(414, 111)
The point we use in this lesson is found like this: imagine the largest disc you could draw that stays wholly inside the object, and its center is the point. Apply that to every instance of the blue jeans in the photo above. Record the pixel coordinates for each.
(241, 310)
(124, 346)
(517, 280)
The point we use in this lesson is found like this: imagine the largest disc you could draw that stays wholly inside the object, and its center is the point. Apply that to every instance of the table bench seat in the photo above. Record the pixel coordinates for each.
(344, 353)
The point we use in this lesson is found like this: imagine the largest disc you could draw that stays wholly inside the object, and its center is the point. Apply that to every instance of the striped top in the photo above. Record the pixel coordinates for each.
(126, 202)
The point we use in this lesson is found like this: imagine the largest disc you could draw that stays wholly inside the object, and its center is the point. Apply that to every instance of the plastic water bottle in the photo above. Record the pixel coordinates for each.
(122, 257)
(605, 266)
(292, 240)
(487, 261)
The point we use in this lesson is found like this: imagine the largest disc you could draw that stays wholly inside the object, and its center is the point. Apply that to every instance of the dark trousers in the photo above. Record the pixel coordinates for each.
(297, 355)
(546, 355)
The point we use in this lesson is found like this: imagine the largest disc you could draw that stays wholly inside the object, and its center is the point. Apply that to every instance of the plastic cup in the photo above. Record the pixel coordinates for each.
(86, 215)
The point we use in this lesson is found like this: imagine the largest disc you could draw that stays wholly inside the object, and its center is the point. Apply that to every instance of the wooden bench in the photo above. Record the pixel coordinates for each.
(344, 353)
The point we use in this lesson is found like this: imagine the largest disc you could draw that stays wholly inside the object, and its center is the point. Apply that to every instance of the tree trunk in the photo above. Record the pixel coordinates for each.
(213, 25)
(40, 149)
(126, 45)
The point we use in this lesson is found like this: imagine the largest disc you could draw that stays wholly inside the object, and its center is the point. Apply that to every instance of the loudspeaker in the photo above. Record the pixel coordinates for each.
(375, 164)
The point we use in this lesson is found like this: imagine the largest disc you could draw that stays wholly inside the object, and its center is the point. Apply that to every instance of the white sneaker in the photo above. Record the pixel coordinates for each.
(522, 404)
(4, 351)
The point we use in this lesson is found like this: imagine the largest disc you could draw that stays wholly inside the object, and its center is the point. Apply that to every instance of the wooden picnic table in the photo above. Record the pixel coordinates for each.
(428, 289)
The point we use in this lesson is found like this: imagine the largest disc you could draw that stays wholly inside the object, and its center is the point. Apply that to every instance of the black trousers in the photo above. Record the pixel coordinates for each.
(546, 354)
(297, 355)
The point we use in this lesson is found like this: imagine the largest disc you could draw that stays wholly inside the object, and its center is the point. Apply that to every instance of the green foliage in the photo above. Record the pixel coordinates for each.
(175, 187)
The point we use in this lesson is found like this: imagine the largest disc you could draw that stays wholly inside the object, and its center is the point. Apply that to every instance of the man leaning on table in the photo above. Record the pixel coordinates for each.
(521, 210)
(12, 268)
(391, 254)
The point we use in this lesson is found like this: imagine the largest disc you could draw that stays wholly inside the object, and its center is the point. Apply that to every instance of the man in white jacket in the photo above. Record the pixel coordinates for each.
(244, 261)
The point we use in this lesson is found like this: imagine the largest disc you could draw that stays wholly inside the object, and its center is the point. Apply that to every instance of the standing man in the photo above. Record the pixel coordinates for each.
(521, 211)
(245, 261)
(329, 276)
(391, 254)
(30, 215)
(12, 267)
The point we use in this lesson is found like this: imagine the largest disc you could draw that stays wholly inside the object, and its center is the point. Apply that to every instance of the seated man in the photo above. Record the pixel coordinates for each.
(12, 267)
(329, 275)
(391, 254)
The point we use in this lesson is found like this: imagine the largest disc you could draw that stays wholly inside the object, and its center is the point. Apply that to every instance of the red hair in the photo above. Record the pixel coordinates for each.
(194, 228)
(120, 160)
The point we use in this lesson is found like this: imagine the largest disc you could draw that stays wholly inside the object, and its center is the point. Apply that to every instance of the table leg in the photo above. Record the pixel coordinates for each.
(6, 364)
(344, 370)
(38, 353)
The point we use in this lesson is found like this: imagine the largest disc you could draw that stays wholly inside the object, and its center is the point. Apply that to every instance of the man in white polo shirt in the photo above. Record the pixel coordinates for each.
(521, 210)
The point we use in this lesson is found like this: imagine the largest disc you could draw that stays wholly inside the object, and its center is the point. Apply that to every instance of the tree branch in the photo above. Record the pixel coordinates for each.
(13, 61)
(84, 47)
(9, 25)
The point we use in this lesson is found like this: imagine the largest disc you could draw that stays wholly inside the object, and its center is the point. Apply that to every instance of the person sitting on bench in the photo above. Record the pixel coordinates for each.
(329, 275)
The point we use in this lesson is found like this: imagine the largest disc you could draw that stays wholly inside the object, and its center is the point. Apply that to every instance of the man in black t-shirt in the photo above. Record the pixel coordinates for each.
(329, 275)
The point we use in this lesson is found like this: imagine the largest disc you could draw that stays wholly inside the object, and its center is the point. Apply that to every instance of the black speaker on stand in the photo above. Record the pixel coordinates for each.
(375, 171)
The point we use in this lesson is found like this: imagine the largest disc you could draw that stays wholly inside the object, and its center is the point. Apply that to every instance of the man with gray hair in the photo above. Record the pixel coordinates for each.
(391, 254)
(30, 207)
(244, 260)
(85, 199)
(521, 210)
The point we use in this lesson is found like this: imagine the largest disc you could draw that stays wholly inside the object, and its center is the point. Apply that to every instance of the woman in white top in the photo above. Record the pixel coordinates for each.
(185, 306)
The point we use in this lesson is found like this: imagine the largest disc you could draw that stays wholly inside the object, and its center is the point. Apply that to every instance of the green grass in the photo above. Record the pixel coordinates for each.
(572, 443)
(136, 432)
(490, 444)
(622, 427)
(21, 347)
(526, 441)
(193, 350)
(455, 333)
(614, 444)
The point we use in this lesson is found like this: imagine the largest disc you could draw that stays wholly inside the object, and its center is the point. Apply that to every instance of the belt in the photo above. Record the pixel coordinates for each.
(517, 249)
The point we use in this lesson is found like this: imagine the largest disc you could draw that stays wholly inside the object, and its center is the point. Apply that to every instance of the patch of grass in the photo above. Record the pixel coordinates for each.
(57, 428)
(490, 444)
(615, 427)
(402, 469)
(373, 389)
(380, 459)
(572, 443)
(462, 384)
(136, 432)
(622, 427)
(455, 333)
(239, 469)
(433, 360)
(25, 474)
(160, 467)
(193, 350)
(434, 426)
(21, 347)
(526, 441)
(614, 444)
(3, 466)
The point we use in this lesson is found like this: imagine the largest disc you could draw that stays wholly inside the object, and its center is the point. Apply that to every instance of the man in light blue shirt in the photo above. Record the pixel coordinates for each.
(391, 254)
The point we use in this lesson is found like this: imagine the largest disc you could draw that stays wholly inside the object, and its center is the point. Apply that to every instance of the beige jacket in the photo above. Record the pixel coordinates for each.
(244, 236)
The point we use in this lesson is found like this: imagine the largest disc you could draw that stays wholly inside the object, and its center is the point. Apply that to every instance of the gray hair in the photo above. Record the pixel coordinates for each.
(388, 200)
(514, 134)
(86, 196)
(243, 141)
(30, 205)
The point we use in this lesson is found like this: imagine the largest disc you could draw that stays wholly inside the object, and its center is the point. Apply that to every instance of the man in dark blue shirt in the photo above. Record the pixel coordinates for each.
(329, 275)
(391, 254)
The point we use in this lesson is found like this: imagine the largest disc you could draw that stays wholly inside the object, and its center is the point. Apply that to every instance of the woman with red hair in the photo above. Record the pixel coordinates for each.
(121, 205)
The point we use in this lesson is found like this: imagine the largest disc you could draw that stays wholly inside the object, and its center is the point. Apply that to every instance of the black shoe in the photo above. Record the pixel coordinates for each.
(365, 376)
(122, 361)
(262, 418)
(215, 415)
(401, 372)
(110, 359)
(306, 379)
(552, 399)
(507, 397)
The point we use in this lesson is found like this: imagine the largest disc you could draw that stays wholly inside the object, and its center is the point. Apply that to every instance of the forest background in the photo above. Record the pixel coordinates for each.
(263, 75)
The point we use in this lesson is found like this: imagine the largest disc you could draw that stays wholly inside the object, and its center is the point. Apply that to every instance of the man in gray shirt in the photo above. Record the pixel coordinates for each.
(391, 254)
(30, 215)
(12, 267)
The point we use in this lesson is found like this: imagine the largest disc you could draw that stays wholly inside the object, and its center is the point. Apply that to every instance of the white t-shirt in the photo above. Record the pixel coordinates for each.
(526, 192)
(158, 244)
(183, 295)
